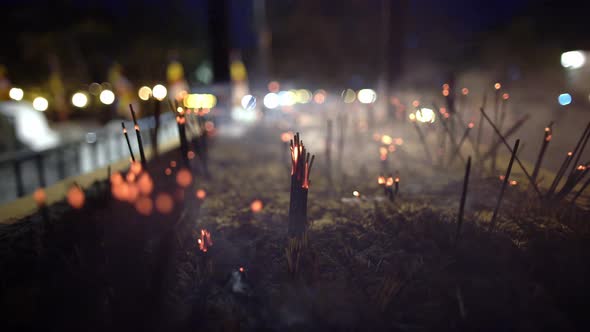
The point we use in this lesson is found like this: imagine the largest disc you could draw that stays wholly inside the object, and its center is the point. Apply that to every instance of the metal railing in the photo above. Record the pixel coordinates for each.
(34, 169)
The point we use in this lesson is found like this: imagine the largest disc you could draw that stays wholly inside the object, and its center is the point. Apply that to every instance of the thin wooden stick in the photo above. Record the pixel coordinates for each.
(579, 150)
(463, 198)
(504, 184)
(423, 140)
(510, 149)
(560, 173)
(493, 150)
(546, 139)
(128, 143)
(458, 149)
(581, 191)
(480, 130)
(138, 135)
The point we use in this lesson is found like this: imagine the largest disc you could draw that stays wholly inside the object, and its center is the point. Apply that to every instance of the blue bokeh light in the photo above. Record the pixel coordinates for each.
(564, 99)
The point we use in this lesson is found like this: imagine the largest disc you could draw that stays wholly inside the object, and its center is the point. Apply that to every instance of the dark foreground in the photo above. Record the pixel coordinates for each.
(367, 263)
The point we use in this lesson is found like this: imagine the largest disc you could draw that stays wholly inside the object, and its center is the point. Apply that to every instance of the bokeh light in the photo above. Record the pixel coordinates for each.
(573, 59)
(107, 97)
(40, 104)
(144, 93)
(564, 99)
(367, 96)
(271, 100)
(16, 94)
(80, 99)
(159, 92)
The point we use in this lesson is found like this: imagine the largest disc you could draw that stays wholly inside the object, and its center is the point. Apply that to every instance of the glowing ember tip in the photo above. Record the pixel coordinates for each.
(471, 125)
(497, 86)
(389, 182)
(381, 180)
(356, 194)
(204, 240)
(241, 269)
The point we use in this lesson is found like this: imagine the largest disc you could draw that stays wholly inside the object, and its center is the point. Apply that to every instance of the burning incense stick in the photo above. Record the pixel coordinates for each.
(578, 174)
(580, 146)
(396, 180)
(329, 151)
(451, 136)
(480, 129)
(389, 188)
(510, 149)
(128, 143)
(301, 167)
(581, 191)
(492, 152)
(463, 198)
(457, 151)
(138, 135)
(422, 138)
(504, 184)
(560, 172)
(546, 140)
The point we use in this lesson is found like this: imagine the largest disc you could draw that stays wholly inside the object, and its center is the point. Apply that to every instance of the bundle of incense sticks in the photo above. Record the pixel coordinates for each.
(301, 164)
(577, 172)
(138, 135)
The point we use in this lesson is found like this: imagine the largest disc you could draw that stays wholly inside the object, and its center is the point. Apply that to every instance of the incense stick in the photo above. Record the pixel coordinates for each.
(458, 149)
(463, 198)
(510, 149)
(504, 184)
(559, 174)
(493, 150)
(128, 143)
(546, 139)
(422, 140)
(138, 135)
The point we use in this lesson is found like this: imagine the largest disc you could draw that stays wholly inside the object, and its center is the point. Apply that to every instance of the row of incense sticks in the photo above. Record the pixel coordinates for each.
(301, 164)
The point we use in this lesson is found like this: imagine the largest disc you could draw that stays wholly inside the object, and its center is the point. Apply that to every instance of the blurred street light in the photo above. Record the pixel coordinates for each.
(79, 99)
(40, 104)
(144, 92)
(16, 94)
(573, 59)
(367, 96)
(107, 97)
(271, 100)
(159, 92)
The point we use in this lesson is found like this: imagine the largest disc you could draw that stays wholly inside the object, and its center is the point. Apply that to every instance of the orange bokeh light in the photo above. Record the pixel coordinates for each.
(76, 197)
(191, 155)
(145, 184)
(116, 179)
(144, 206)
(256, 206)
(184, 178)
(164, 203)
(135, 168)
(201, 194)
(40, 197)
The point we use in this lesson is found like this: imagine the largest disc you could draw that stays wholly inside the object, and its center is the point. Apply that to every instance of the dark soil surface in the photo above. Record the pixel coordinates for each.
(366, 263)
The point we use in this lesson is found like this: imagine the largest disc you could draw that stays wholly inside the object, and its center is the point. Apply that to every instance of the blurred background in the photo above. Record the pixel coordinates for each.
(69, 69)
